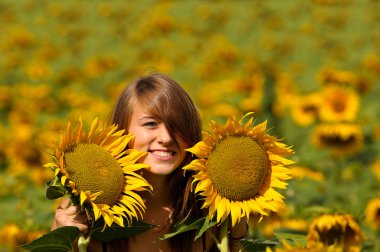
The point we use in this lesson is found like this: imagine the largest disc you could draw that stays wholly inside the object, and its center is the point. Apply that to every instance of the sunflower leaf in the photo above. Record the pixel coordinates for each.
(206, 225)
(184, 227)
(61, 239)
(116, 231)
(54, 192)
(258, 245)
(292, 236)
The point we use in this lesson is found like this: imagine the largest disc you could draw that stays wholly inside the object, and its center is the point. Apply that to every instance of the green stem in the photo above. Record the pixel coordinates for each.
(223, 245)
(83, 242)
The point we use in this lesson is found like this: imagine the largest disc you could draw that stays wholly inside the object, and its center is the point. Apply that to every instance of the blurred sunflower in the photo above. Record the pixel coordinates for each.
(372, 213)
(339, 104)
(301, 172)
(343, 78)
(376, 132)
(238, 167)
(375, 167)
(335, 229)
(343, 138)
(317, 247)
(98, 171)
(305, 109)
(13, 236)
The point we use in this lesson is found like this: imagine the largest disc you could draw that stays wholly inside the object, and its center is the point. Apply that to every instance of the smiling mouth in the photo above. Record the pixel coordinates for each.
(163, 154)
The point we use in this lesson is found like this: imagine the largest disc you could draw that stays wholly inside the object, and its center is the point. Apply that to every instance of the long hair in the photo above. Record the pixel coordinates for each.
(167, 100)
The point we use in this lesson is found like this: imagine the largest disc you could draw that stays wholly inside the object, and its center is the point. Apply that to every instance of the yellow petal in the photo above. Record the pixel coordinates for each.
(96, 210)
(83, 197)
(201, 150)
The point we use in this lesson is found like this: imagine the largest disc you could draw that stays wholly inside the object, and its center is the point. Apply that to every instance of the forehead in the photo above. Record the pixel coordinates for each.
(140, 112)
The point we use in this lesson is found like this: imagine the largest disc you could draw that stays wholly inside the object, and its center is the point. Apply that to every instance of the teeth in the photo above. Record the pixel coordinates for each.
(162, 153)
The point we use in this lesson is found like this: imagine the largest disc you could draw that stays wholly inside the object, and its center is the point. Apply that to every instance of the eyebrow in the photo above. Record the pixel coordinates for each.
(147, 118)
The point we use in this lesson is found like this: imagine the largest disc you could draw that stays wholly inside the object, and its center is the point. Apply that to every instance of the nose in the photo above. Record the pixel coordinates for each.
(164, 136)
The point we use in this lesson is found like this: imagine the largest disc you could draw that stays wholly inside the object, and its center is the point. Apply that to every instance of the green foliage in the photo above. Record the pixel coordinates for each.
(55, 189)
(116, 232)
(63, 238)
(258, 245)
(60, 240)
(201, 224)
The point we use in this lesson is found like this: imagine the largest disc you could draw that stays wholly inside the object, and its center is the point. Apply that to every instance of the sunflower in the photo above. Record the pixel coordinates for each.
(305, 109)
(372, 213)
(98, 171)
(237, 169)
(339, 104)
(342, 138)
(301, 172)
(343, 78)
(335, 229)
(317, 247)
(375, 167)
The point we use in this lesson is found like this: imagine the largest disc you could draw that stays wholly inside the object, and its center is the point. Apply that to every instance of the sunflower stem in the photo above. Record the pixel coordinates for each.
(223, 245)
(83, 242)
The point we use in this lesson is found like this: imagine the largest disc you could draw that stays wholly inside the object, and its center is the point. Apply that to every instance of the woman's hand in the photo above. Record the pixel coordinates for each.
(68, 215)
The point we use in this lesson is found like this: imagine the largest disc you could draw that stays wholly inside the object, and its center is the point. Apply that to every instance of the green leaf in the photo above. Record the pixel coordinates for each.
(258, 245)
(61, 239)
(206, 225)
(292, 237)
(184, 227)
(116, 231)
(55, 190)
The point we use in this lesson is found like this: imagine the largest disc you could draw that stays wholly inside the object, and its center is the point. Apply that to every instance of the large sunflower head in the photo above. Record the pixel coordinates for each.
(98, 171)
(238, 168)
(335, 229)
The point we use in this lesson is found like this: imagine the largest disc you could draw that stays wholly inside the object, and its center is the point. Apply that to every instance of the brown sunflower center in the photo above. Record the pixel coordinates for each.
(339, 105)
(237, 167)
(93, 169)
(337, 234)
(338, 141)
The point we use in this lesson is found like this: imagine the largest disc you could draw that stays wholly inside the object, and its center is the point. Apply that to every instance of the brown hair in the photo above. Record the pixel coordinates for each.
(165, 99)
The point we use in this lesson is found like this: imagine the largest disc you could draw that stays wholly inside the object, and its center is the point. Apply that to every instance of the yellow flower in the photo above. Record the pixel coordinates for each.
(343, 78)
(300, 172)
(342, 138)
(335, 229)
(339, 104)
(317, 247)
(375, 167)
(13, 236)
(99, 170)
(238, 167)
(372, 213)
(305, 109)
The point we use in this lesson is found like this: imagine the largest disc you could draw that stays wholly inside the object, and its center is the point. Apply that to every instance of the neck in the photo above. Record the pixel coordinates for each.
(160, 197)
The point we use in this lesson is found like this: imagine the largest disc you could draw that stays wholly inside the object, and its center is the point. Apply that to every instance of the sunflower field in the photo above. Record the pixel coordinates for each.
(311, 68)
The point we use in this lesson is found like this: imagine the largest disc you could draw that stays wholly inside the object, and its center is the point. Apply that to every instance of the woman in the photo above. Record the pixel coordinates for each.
(164, 120)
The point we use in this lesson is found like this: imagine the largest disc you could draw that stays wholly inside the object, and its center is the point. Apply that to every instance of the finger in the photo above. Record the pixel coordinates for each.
(80, 218)
(65, 203)
(69, 222)
(72, 210)
(82, 227)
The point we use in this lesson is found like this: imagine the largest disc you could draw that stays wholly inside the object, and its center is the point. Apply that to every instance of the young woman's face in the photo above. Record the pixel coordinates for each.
(152, 136)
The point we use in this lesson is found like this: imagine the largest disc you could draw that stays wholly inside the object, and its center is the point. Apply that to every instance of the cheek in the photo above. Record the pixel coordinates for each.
(137, 145)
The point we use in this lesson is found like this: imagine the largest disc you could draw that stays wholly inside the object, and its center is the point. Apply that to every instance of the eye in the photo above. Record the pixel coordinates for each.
(150, 124)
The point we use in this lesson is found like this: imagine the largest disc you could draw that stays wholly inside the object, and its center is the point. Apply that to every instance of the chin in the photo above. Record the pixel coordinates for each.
(162, 170)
